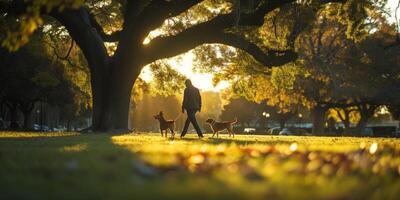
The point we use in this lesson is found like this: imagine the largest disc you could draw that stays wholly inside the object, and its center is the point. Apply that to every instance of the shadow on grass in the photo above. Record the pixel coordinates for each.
(88, 166)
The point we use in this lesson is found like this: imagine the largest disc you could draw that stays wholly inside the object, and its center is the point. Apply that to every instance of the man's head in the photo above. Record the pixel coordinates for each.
(188, 83)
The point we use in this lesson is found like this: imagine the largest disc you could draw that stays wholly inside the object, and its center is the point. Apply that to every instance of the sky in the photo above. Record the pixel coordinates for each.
(204, 81)
(185, 66)
(392, 4)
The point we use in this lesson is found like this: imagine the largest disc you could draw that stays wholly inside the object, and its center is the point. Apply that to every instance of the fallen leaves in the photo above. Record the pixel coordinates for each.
(257, 162)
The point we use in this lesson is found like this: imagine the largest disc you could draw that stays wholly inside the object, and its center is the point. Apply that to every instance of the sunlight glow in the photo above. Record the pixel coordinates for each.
(152, 34)
(185, 66)
(392, 4)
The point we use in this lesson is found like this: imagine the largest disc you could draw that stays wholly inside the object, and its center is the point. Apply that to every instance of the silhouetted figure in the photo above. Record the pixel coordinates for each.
(191, 103)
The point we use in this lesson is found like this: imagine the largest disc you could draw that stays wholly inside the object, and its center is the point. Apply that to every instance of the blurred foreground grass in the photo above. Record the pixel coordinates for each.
(147, 166)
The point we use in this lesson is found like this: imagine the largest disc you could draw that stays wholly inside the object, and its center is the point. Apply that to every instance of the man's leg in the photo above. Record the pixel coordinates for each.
(185, 128)
(192, 118)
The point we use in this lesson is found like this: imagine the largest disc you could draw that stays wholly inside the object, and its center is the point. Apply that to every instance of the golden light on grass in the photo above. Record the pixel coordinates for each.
(196, 159)
(35, 134)
(255, 153)
(373, 148)
(320, 162)
(362, 145)
(312, 156)
(220, 148)
(74, 148)
(293, 146)
(203, 149)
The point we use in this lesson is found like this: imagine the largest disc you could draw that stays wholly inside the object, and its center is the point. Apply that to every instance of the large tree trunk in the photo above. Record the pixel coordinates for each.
(27, 120)
(115, 109)
(111, 79)
(13, 107)
(366, 112)
(347, 129)
(2, 110)
(318, 120)
(26, 108)
(283, 118)
(345, 119)
(282, 123)
(112, 111)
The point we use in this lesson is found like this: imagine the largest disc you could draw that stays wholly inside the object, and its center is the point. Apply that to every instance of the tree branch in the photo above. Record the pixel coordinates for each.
(113, 37)
(169, 46)
(154, 15)
(212, 31)
(268, 58)
(78, 24)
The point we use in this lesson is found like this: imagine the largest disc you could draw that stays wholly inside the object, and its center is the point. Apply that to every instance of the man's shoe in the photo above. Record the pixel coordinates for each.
(201, 136)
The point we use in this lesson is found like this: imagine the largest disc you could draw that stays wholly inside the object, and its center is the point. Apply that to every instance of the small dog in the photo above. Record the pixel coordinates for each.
(219, 126)
(165, 124)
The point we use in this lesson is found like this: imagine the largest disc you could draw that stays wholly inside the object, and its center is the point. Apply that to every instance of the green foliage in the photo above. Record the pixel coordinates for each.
(245, 111)
(166, 80)
(31, 19)
(199, 13)
(354, 13)
(45, 79)
(140, 88)
(30, 74)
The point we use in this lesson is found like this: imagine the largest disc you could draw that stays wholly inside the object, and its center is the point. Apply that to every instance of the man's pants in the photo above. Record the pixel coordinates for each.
(191, 119)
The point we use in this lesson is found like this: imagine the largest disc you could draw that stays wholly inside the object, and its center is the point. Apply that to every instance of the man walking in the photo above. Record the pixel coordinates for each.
(191, 103)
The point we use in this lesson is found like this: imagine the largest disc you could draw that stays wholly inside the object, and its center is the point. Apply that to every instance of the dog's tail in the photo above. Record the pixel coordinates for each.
(234, 121)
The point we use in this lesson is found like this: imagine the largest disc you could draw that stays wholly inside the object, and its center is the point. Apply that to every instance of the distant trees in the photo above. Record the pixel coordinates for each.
(29, 76)
(367, 76)
(245, 111)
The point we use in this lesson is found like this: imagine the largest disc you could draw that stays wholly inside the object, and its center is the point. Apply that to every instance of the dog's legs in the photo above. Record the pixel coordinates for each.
(217, 134)
(214, 132)
(172, 132)
(231, 132)
(166, 132)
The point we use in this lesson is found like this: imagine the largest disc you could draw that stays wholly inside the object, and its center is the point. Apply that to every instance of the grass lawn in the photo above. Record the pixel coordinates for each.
(147, 166)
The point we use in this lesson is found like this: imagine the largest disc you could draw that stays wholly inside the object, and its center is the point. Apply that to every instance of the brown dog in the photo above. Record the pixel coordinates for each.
(165, 124)
(219, 126)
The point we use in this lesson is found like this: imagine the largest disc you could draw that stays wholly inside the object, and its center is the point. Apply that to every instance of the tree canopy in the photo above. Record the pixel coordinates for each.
(118, 38)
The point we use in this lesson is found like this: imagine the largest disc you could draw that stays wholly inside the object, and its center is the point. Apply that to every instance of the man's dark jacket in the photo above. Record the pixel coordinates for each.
(191, 99)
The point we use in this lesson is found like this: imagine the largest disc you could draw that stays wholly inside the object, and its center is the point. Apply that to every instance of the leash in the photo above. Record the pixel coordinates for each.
(179, 116)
